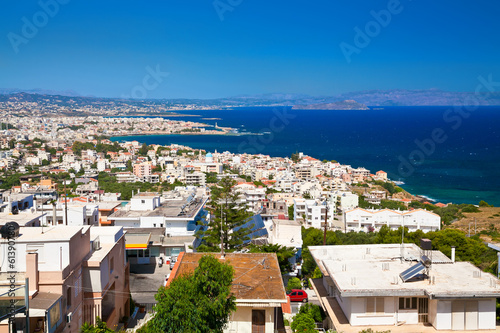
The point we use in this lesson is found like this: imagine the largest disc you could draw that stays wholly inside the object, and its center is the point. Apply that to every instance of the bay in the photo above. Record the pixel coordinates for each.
(459, 165)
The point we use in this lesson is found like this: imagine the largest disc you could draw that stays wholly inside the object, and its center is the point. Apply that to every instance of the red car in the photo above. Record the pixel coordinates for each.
(298, 295)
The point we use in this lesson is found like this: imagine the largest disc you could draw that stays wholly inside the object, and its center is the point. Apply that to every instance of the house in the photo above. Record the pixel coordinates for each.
(402, 288)
(178, 214)
(59, 262)
(257, 286)
(371, 220)
(106, 277)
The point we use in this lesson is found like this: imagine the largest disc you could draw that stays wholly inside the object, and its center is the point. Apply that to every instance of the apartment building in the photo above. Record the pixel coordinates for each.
(67, 267)
(367, 220)
(313, 212)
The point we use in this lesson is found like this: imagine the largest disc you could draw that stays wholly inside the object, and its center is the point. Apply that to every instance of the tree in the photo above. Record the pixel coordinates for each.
(143, 150)
(228, 218)
(200, 302)
(303, 322)
(293, 283)
(291, 211)
(315, 311)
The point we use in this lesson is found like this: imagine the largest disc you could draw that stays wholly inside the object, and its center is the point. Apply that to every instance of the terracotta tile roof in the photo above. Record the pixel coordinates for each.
(256, 275)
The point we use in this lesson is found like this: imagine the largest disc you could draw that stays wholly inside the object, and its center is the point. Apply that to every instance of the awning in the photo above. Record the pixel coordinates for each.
(137, 241)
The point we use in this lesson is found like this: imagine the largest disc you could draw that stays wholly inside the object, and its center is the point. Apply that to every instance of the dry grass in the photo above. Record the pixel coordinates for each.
(484, 220)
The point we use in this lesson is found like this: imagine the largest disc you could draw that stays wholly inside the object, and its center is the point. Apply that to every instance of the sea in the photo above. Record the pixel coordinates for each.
(447, 154)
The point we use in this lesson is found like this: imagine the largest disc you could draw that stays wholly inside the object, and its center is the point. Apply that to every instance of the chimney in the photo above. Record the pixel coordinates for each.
(32, 272)
(453, 254)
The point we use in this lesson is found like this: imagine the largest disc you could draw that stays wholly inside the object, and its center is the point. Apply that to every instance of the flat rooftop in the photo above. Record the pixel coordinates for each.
(168, 209)
(286, 222)
(53, 233)
(23, 218)
(374, 269)
(108, 205)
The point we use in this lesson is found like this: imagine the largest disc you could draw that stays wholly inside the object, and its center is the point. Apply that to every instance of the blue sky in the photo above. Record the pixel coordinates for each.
(103, 48)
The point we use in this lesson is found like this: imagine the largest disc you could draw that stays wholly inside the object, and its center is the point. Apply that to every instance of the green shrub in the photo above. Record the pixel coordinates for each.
(293, 283)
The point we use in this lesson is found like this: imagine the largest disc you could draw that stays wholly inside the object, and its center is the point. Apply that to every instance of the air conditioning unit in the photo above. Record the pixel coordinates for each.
(69, 316)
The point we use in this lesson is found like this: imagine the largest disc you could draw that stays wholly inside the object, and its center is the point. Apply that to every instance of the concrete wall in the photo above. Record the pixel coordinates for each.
(443, 315)
(177, 228)
(152, 222)
(432, 312)
(133, 223)
(52, 256)
(360, 317)
(487, 314)
(241, 320)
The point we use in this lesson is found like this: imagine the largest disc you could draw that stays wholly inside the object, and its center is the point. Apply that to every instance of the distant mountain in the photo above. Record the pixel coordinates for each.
(341, 105)
(396, 97)
(429, 97)
(7, 91)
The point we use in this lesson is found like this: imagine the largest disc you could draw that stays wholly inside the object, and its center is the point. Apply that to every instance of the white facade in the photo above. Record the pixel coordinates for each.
(372, 220)
(365, 281)
(313, 212)
(241, 320)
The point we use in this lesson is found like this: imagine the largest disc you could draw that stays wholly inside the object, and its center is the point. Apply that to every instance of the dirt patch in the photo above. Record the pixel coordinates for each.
(487, 219)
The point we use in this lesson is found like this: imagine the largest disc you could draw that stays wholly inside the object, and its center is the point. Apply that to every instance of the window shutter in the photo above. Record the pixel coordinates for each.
(380, 305)
(370, 305)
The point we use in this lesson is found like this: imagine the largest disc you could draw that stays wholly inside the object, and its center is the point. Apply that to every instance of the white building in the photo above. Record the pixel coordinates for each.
(313, 212)
(177, 214)
(369, 285)
(78, 213)
(371, 220)
(195, 178)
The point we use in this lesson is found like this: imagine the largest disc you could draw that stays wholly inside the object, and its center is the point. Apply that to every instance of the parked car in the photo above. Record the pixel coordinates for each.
(298, 295)
(172, 262)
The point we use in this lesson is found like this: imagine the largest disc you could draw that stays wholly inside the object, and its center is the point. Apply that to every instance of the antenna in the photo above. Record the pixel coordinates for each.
(402, 240)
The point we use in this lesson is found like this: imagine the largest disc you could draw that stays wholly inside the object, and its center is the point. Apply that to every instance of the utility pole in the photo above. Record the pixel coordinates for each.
(326, 219)
(403, 240)
(65, 203)
(221, 234)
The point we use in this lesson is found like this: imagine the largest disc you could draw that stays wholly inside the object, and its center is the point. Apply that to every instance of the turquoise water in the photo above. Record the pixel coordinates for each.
(450, 155)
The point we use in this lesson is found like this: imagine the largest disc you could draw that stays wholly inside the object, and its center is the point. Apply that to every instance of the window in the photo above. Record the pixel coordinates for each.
(154, 225)
(68, 296)
(375, 305)
(143, 201)
(111, 265)
(407, 303)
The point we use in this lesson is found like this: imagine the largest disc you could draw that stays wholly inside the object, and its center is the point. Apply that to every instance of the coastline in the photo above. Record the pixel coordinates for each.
(419, 197)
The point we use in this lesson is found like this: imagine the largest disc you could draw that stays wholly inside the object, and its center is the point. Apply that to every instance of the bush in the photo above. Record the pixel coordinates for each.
(303, 322)
(315, 311)
(293, 283)
(470, 209)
